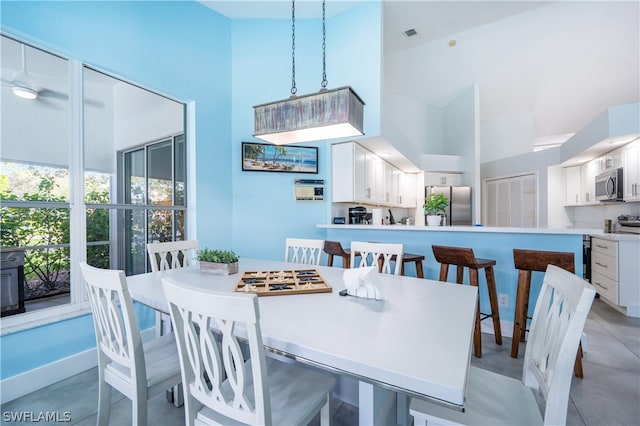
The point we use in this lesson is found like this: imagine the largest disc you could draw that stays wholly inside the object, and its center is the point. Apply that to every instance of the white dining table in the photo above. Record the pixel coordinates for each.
(415, 342)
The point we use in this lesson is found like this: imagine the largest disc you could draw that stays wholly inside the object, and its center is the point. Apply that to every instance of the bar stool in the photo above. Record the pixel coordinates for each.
(334, 248)
(408, 258)
(527, 261)
(464, 258)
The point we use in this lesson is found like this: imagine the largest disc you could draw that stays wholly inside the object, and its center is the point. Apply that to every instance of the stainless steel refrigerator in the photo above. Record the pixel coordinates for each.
(459, 209)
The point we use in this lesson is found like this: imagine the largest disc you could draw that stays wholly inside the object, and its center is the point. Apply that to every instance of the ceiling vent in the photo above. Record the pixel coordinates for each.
(411, 32)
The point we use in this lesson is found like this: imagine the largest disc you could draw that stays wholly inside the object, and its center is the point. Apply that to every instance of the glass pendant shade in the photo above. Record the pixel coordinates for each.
(327, 114)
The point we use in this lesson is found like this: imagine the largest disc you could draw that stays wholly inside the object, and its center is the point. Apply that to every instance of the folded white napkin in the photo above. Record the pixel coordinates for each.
(362, 282)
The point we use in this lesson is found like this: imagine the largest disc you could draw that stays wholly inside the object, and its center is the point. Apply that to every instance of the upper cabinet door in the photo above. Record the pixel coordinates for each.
(573, 179)
(439, 179)
(631, 171)
(589, 172)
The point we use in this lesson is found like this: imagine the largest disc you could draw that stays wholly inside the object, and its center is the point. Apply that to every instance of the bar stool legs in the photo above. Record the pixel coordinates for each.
(525, 262)
(463, 257)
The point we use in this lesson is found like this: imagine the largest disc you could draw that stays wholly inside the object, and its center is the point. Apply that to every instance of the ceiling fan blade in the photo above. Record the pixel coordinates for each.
(52, 94)
(48, 103)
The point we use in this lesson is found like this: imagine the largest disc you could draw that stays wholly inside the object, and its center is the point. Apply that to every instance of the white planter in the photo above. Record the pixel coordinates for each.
(434, 220)
(219, 268)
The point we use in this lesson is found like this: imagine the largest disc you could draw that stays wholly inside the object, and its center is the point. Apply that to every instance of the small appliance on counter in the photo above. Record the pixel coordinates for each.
(629, 223)
(357, 215)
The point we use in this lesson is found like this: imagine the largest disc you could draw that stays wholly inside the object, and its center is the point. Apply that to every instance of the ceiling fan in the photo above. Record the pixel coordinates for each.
(24, 86)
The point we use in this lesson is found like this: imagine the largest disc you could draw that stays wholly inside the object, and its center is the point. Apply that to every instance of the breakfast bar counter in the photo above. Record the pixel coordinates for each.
(495, 243)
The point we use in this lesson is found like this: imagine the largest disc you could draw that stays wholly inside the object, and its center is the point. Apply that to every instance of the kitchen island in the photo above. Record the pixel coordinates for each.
(495, 243)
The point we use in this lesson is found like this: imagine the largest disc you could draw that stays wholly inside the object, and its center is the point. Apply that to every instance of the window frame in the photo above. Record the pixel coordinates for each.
(78, 304)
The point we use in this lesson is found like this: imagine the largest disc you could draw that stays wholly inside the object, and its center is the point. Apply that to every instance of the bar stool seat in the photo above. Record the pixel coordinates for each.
(463, 257)
(409, 258)
(527, 261)
(334, 248)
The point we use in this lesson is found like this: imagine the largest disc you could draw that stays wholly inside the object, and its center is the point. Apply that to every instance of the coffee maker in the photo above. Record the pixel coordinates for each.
(357, 215)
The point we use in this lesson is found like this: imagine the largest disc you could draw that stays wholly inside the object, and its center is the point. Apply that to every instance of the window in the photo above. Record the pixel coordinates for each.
(41, 173)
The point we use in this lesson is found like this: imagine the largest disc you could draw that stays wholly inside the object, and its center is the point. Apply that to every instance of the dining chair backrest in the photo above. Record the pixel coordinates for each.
(214, 372)
(492, 398)
(300, 250)
(137, 370)
(381, 254)
(172, 254)
(117, 332)
(558, 320)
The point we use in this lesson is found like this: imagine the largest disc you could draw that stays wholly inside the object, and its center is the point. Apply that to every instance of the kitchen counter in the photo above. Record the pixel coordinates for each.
(617, 236)
(487, 242)
(486, 229)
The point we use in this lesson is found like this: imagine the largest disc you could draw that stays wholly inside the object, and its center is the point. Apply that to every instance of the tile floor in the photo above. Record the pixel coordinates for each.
(609, 394)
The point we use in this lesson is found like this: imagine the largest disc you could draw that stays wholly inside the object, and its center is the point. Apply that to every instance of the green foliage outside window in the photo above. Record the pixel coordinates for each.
(44, 226)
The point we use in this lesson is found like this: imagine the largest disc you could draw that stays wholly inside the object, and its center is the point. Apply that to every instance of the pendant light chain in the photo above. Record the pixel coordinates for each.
(294, 89)
(324, 48)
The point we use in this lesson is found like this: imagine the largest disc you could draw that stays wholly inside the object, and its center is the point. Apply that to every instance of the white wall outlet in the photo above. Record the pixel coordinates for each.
(503, 300)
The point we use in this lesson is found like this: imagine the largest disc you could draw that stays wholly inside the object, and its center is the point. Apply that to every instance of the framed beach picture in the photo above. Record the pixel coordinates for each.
(258, 157)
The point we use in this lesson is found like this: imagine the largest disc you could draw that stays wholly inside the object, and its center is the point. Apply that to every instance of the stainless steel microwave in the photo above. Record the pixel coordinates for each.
(609, 186)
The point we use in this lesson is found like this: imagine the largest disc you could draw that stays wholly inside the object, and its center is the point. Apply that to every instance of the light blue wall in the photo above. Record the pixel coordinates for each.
(492, 245)
(181, 49)
(187, 51)
(265, 212)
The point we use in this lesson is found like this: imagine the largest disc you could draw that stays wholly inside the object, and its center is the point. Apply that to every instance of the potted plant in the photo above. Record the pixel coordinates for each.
(434, 204)
(218, 261)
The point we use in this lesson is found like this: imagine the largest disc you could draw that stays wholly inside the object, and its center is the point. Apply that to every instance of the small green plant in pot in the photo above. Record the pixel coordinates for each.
(433, 205)
(218, 261)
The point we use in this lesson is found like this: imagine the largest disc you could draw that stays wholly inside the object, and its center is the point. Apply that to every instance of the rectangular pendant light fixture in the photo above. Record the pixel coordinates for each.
(327, 114)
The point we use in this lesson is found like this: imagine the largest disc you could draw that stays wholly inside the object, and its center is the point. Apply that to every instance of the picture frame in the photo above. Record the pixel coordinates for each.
(259, 157)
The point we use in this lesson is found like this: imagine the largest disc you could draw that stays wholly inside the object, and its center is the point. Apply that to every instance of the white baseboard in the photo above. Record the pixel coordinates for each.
(38, 378)
(506, 327)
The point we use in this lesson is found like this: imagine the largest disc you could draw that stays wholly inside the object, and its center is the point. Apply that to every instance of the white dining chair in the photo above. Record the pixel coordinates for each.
(220, 386)
(377, 254)
(170, 255)
(138, 371)
(558, 320)
(300, 250)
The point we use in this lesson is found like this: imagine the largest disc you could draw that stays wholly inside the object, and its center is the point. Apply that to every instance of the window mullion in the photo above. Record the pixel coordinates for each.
(78, 216)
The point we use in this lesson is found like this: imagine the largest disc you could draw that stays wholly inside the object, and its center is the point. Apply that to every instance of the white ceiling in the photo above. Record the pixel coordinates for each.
(559, 63)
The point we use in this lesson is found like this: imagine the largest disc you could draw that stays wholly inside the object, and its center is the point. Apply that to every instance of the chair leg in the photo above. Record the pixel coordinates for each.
(460, 274)
(104, 401)
(139, 407)
(346, 262)
(325, 412)
(329, 260)
(493, 301)
(477, 336)
(419, 270)
(444, 272)
(577, 367)
(520, 316)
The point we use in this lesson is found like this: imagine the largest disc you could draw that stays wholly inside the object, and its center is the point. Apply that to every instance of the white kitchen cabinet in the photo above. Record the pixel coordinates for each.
(350, 179)
(435, 178)
(573, 181)
(615, 271)
(360, 176)
(589, 171)
(631, 171)
(407, 190)
(611, 160)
